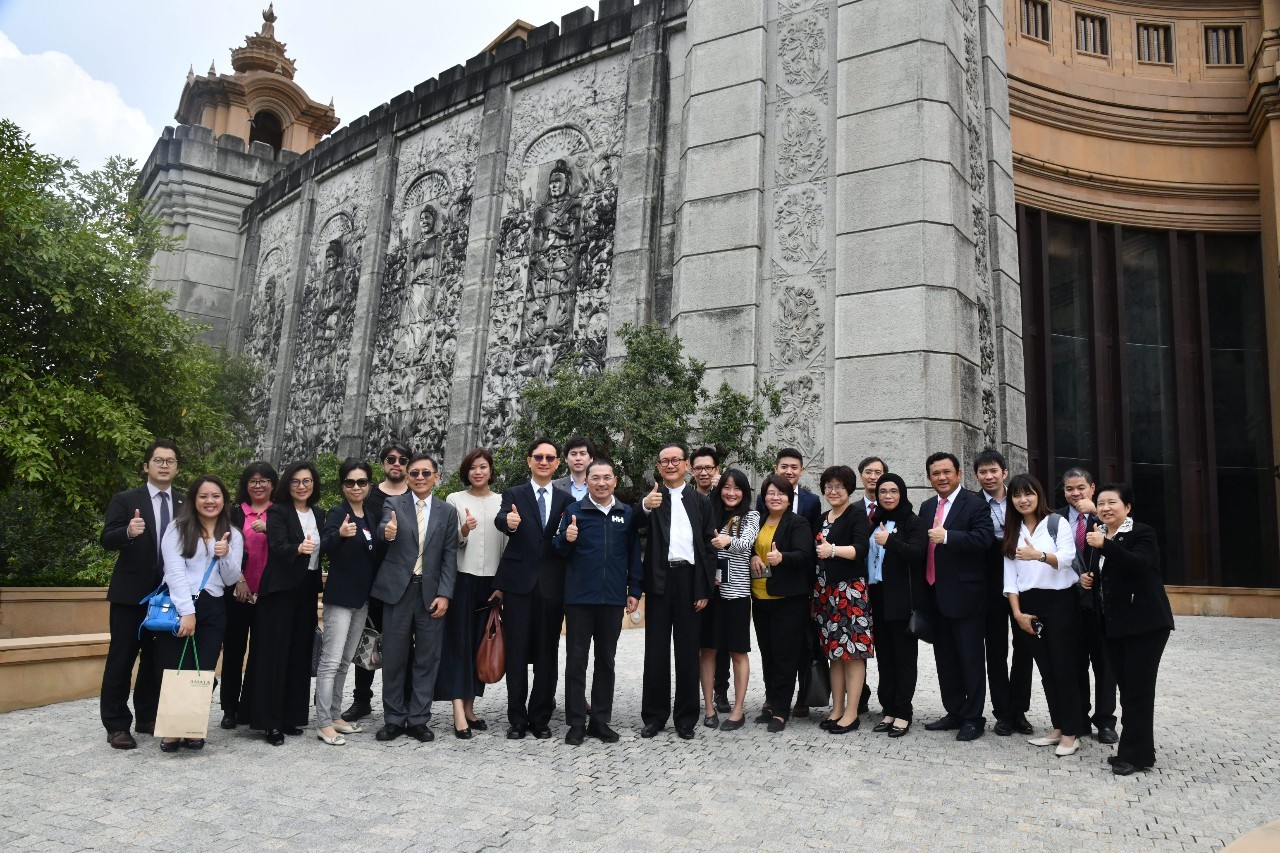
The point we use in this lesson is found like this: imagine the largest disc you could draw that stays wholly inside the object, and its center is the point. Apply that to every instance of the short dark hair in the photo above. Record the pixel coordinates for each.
(1072, 473)
(990, 456)
(780, 483)
(282, 495)
(423, 457)
(843, 474)
(1123, 490)
(704, 450)
(677, 445)
(464, 467)
(598, 461)
(397, 447)
(538, 442)
(260, 469)
(159, 443)
(576, 441)
(862, 466)
(789, 453)
(350, 464)
(940, 456)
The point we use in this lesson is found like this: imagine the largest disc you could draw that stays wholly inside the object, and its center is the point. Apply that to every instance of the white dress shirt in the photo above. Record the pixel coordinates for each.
(680, 546)
(1022, 575)
(183, 574)
(307, 519)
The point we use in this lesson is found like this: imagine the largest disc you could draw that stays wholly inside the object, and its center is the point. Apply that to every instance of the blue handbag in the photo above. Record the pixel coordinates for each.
(162, 617)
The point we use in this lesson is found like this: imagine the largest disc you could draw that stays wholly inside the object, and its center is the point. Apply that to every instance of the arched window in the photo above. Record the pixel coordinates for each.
(266, 127)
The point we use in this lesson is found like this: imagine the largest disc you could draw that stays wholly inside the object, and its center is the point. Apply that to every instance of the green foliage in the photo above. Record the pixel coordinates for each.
(43, 545)
(652, 396)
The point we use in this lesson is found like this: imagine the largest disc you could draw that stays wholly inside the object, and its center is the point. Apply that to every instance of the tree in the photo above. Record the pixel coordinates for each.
(652, 396)
(94, 364)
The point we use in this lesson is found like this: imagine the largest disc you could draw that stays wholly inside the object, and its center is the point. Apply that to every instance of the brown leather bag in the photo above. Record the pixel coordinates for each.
(491, 659)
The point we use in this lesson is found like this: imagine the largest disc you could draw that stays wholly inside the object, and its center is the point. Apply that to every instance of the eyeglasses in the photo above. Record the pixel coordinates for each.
(704, 469)
(544, 457)
(393, 459)
(671, 462)
(257, 483)
(834, 487)
(164, 463)
(355, 484)
(302, 484)
(422, 474)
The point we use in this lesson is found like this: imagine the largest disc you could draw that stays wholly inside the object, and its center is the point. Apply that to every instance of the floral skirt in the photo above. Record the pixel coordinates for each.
(843, 612)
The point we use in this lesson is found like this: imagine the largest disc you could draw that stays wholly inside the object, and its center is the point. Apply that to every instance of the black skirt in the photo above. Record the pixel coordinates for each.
(726, 624)
(463, 629)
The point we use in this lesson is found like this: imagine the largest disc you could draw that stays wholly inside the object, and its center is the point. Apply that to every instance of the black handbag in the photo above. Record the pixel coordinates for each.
(818, 690)
(920, 622)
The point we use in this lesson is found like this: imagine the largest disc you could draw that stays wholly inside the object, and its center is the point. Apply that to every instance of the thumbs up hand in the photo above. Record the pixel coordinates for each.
(306, 547)
(469, 523)
(653, 500)
(390, 529)
(825, 549)
(1095, 537)
(136, 525)
(938, 534)
(513, 518)
(774, 556)
(881, 535)
(1026, 551)
(571, 532)
(347, 528)
(221, 547)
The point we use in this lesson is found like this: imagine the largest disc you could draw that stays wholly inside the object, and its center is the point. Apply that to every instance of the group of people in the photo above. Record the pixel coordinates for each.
(1079, 590)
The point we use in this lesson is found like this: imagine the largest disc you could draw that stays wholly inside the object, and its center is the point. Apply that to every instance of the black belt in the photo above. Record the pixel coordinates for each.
(675, 564)
(415, 579)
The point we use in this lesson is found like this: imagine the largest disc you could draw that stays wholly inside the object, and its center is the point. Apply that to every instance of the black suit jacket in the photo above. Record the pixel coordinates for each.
(1133, 596)
(529, 558)
(795, 574)
(808, 506)
(658, 522)
(902, 572)
(960, 566)
(138, 568)
(1086, 558)
(849, 529)
(286, 568)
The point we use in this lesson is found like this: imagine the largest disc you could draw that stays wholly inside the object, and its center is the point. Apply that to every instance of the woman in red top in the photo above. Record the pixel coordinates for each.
(249, 516)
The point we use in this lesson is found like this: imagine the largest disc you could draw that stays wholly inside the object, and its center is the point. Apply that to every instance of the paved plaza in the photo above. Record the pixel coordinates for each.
(1218, 776)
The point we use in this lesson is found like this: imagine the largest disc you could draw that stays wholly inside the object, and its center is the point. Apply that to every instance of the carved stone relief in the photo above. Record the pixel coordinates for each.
(272, 281)
(417, 330)
(326, 313)
(555, 254)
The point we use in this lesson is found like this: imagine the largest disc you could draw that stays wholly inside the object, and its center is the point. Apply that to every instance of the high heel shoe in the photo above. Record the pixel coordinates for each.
(478, 724)
(463, 734)
(336, 740)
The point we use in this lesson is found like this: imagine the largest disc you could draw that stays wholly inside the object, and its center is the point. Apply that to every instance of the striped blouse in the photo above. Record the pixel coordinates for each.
(739, 555)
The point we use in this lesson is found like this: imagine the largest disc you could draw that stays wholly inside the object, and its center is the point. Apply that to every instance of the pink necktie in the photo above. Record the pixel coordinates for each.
(1080, 533)
(937, 519)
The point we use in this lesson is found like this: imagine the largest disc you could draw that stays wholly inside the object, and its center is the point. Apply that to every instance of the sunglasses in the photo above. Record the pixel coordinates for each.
(422, 473)
(355, 484)
(544, 457)
(392, 459)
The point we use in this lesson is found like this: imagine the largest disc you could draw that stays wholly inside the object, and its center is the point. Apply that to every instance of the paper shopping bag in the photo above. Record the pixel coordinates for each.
(185, 698)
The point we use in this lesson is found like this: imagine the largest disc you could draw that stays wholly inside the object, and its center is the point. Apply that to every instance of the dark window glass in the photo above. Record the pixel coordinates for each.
(1069, 344)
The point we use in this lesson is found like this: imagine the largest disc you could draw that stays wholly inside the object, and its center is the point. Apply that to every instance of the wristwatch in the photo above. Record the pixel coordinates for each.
(1044, 557)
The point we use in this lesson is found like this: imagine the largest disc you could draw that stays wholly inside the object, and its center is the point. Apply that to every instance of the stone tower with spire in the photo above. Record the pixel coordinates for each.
(234, 132)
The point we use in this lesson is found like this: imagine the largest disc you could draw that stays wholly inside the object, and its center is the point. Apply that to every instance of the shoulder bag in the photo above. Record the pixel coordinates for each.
(162, 617)
(491, 658)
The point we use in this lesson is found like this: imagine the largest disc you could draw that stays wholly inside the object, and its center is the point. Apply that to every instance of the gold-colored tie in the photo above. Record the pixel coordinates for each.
(417, 567)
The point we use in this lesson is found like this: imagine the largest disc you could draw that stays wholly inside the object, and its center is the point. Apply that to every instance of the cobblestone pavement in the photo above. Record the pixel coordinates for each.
(1218, 776)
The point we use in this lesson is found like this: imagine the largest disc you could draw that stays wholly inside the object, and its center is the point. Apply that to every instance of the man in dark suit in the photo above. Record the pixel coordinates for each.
(679, 575)
(135, 521)
(1081, 514)
(955, 573)
(530, 585)
(414, 584)
(1010, 685)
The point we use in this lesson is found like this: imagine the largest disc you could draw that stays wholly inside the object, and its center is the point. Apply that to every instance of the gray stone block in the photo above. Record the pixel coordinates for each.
(724, 337)
(919, 130)
(713, 19)
(726, 62)
(907, 192)
(724, 168)
(726, 114)
(896, 76)
(721, 223)
(720, 279)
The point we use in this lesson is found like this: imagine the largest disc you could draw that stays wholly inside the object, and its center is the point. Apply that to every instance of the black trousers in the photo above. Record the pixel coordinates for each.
(1055, 652)
(531, 629)
(671, 623)
(123, 651)
(1092, 654)
(235, 646)
(1136, 661)
(783, 628)
(897, 653)
(284, 625)
(586, 625)
(1010, 684)
(211, 626)
(961, 661)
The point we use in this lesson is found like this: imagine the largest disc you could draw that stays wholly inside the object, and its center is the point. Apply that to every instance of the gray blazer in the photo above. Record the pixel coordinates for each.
(439, 550)
(564, 484)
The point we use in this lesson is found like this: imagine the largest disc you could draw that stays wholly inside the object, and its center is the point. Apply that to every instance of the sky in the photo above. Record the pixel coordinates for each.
(91, 78)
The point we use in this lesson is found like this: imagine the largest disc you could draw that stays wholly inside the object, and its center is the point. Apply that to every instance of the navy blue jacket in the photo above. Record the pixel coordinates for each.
(604, 564)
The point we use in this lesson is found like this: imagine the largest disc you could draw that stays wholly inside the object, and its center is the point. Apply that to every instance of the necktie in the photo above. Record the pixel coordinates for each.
(1080, 533)
(542, 507)
(422, 505)
(871, 509)
(164, 523)
(937, 519)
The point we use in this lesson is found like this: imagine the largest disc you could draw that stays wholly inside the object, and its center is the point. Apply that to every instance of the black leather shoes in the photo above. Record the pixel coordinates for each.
(357, 711)
(146, 728)
(121, 740)
(837, 729)
(275, 737)
(826, 724)
(541, 731)
(732, 725)
(463, 734)
(776, 725)
(651, 729)
(517, 732)
(601, 732)
(969, 731)
(574, 736)
(765, 716)
(421, 733)
(1107, 735)
(193, 742)
(389, 732)
(478, 724)
(1004, 728)
(721, 702)
(170, 745)
(229, 720)
(882, 726)
(711, 722)
(899, 731)
(1021, 726)
(292, 731)
(685, 733)
(945, 723)
(1124, 768)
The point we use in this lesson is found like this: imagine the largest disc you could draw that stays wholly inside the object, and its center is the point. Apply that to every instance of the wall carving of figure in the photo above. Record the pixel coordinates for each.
(273, 281)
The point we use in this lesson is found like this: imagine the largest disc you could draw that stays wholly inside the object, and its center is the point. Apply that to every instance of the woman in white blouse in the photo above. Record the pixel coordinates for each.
(480, 547)
(1039, 582)
(202, 554)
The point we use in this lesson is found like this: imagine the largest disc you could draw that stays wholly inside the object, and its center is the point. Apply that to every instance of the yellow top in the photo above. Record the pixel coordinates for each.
(764, 539)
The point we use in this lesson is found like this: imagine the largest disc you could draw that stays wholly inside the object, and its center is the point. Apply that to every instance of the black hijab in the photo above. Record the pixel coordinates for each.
(900, 512)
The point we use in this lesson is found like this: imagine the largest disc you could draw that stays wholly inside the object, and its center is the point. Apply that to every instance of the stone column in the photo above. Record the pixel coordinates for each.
(246, 277)
(372, 262)
(484, 234)
(720, 223)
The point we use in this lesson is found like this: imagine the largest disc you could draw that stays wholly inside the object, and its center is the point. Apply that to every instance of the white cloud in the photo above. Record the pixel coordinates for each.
(66, 111)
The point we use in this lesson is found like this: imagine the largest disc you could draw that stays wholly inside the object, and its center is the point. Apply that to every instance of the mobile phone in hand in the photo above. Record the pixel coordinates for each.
(1037, 626)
